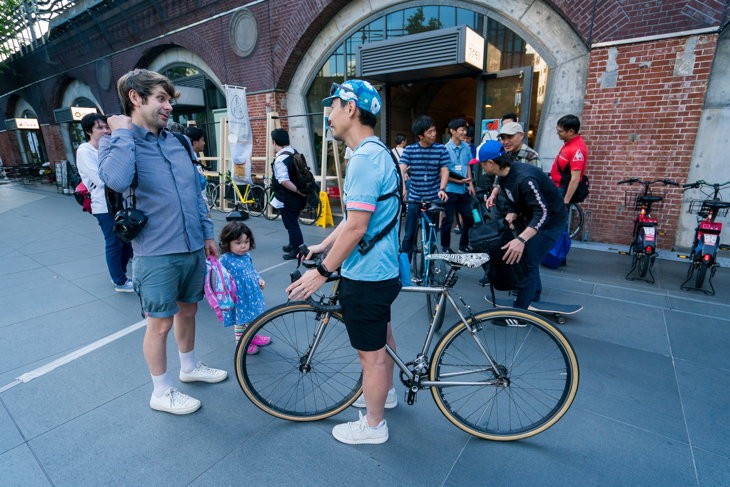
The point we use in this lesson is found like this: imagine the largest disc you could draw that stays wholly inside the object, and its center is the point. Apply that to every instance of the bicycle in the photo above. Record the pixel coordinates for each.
(644, 237)
(252, 200)
(423, 270)
(271, 212)
(706, 241)
(503, 374)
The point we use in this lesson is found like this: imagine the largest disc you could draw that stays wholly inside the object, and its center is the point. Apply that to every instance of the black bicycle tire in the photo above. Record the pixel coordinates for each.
(258, 194)
(573, 233)
(216, 196)
(644, 264)
(310, 213)
(417, 257)
(280, 346)
(526, 326)
(701, 273)
(271, 213)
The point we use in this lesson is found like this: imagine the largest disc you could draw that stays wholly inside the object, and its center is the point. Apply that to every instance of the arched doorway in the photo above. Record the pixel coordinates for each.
(515, 51)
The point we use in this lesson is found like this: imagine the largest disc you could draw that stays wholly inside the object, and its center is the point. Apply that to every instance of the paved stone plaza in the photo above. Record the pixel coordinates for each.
(651, 408)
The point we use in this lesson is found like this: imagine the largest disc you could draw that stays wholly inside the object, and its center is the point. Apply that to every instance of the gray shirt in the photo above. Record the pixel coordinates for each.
(168, 190)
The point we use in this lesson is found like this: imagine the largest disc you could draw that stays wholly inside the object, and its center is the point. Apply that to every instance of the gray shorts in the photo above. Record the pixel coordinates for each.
(164, 280)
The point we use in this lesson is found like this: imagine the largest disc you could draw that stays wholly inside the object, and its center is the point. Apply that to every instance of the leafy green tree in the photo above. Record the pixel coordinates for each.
(8, 26)
(417, 23)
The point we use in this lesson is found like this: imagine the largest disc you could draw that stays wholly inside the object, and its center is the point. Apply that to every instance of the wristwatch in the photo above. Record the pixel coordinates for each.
(323, 271)
(521, 239)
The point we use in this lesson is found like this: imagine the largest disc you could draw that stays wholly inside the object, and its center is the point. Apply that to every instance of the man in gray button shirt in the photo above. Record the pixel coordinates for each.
(170, 251)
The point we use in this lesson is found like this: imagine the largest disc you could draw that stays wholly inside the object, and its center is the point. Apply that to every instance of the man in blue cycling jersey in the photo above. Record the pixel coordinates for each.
(369, 281)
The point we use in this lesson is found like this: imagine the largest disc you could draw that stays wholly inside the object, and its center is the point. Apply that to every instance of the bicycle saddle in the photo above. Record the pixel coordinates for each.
(462, 260)
(436, 206)
(650, 199)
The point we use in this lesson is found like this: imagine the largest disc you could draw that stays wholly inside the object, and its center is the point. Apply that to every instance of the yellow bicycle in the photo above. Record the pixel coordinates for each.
(252, 199)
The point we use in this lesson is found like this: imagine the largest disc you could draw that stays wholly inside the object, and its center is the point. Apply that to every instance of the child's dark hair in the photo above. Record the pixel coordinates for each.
(233, 231)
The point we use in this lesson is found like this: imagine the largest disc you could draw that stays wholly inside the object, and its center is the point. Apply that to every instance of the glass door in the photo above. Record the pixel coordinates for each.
(507, 91)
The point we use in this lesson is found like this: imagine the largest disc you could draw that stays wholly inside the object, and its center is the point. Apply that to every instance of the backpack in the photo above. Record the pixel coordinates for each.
(220, 288)
(558, 253)
(305, 179)
(489, 234)
(83, 197)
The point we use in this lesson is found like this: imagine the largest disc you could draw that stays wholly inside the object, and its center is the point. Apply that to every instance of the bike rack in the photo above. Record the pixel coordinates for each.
(690, 274)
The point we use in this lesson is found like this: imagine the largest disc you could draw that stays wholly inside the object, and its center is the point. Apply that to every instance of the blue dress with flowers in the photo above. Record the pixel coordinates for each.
(250, 301)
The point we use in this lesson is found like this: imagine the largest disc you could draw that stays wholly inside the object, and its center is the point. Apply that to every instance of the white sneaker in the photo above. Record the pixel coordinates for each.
(127, 287)
(203, 373)
(175, 402)
(391, 400)
(360, 432)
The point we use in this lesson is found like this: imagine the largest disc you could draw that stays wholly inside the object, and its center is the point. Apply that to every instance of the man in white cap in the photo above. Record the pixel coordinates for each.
(512, 137)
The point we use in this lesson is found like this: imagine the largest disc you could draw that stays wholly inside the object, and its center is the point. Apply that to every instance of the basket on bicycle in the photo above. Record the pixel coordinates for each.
(631, 200)
(699, 207)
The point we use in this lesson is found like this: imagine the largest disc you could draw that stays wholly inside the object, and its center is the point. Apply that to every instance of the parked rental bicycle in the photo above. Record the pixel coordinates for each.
(706, 242)
(252, 200)
(645, 235)
(576, 220)
(503, 374)
(425, 271)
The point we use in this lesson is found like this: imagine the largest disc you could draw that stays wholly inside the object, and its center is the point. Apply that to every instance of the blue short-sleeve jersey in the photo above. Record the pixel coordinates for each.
(371, 173)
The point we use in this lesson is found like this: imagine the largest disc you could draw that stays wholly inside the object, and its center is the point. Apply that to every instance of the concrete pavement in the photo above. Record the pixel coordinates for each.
(651, 408)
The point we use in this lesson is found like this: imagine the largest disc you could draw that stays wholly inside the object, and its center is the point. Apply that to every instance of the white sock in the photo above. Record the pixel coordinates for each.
(161, 384)
(380, 425)
(188, 362)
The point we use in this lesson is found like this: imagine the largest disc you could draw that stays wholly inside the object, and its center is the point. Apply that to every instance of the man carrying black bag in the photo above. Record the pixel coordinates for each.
(534, 203)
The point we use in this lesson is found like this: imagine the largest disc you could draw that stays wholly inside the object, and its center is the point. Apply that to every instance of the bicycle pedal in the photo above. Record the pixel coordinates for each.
(410, 397)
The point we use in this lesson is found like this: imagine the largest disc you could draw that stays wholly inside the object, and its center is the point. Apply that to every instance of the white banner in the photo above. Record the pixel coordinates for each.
(240, 139)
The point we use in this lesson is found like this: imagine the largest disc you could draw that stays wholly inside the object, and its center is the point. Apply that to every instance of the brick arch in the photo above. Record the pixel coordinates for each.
(538, 22)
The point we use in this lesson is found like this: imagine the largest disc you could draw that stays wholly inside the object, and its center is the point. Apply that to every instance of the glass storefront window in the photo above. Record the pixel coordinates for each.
(75, 132)
(505, 50)
(31, 143)
(180, 71)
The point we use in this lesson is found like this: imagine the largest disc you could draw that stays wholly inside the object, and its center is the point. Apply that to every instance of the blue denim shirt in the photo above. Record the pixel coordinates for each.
(460, 156)
(168, 190)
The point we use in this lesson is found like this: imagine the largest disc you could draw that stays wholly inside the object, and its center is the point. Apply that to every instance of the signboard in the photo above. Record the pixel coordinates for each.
(22, 124)
(72, 114)
(240, 138)
(474, 49)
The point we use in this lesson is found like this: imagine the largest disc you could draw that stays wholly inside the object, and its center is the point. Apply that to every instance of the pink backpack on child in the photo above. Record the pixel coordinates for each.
(220, 288)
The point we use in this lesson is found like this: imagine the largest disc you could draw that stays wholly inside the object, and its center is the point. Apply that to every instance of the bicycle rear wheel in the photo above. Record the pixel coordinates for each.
(535, 383)
(256, 198)
(644, 264)
(576, 221)
(277, 379)
(312, 210)
(270, 213)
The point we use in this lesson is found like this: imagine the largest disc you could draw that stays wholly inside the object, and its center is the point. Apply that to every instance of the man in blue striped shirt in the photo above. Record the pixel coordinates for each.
(170, 251)
(428, 166)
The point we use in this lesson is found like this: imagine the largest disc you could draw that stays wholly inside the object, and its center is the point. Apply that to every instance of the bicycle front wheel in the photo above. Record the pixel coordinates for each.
(576, 220)
(255, 200)
(290, 378)
(701, 272)
(534, 384)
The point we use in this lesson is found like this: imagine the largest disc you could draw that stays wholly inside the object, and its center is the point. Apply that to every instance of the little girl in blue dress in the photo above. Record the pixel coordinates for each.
(236, 239)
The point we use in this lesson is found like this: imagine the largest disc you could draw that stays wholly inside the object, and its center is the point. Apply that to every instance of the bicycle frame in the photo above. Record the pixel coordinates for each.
(427, 237)
(421, 367)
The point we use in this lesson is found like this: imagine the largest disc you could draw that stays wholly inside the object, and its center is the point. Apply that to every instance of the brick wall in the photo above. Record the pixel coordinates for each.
(9, 149)
(54, 142)
(642, 108)
(258, 105)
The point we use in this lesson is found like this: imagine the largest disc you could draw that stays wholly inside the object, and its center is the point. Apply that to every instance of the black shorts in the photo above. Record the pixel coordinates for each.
(366, 311)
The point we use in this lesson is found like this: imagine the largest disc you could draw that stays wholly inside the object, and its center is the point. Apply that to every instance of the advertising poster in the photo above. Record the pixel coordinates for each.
(240, 139)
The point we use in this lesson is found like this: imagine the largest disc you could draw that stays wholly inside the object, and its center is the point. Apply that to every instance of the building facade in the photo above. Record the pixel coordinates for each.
(645, 77)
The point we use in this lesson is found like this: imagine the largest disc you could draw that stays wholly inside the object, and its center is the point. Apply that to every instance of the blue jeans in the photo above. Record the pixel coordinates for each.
(460, 202)
(117, 252)
(535, 251)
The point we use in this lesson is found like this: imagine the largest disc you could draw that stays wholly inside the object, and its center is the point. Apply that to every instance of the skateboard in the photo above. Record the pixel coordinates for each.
(555, 310)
